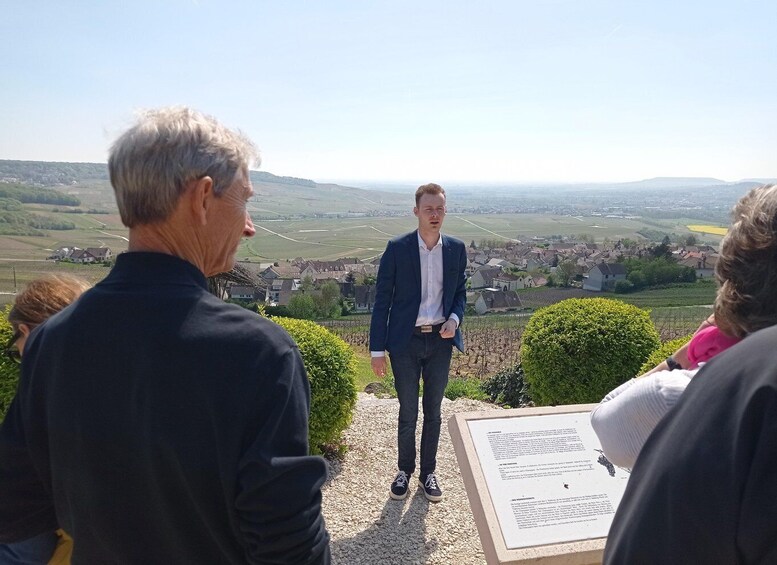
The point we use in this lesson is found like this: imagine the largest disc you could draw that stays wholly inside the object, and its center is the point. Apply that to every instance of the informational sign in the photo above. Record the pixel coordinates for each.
(540, 488)
(547, 478)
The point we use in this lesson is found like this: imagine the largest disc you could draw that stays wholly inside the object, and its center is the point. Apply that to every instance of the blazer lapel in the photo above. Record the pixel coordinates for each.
(446, 260)
(415, 260)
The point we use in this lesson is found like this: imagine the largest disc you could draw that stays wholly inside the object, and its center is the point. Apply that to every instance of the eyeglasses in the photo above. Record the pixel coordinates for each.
(11, 351)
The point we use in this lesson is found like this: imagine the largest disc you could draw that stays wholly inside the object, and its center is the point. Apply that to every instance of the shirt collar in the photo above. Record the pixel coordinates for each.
(422, 245)
(141, 267)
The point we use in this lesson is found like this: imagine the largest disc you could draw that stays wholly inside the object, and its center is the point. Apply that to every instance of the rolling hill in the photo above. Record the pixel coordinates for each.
(276, 196)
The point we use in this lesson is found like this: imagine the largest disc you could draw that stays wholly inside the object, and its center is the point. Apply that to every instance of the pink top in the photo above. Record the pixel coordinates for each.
(707, 343)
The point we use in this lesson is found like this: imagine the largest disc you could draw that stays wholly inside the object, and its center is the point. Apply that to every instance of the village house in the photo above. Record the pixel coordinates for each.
(364, 298)
(499, 262)
(283, 270)
(534, 259)
(484, 277)
(505, 281)
(497, 301)
(337, 276)
(509, 281)
(279, 291)
(244, 292)
(90, 255)
(603, 276)
(311, 268)
(477, 257)
(100, 254)
(702, 262)
(62, 253)
(83, 256)
(470, 268)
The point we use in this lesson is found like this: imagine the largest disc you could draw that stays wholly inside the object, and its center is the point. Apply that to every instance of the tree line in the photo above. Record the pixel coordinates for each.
(36, 195)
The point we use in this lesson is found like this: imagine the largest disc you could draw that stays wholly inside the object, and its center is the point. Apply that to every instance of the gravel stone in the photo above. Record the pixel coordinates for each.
(366, 526)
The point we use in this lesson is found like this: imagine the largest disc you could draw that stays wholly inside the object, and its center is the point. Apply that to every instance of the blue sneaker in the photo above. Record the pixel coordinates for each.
(399, 486)
(431, 486)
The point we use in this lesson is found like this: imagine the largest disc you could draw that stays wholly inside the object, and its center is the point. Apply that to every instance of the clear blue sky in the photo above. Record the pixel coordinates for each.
(507, 90)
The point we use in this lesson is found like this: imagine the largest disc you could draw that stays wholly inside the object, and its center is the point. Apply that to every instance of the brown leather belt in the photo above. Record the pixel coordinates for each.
(431, 328)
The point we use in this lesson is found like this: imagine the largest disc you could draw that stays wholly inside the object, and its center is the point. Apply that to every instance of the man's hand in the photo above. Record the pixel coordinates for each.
(448, 329)
(379, 366)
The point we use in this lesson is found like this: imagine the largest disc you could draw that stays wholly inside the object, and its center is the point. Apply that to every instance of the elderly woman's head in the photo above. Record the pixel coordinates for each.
(747, 267)
(154, 161)
(41, 299)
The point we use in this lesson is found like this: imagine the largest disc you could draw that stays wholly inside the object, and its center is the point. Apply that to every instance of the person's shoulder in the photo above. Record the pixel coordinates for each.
(404, 238)
(737, 374)
(753, 356)
(452, 241)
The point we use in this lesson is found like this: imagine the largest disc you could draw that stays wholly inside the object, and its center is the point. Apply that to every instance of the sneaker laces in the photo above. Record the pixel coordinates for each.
(401, 479)
(431, 482)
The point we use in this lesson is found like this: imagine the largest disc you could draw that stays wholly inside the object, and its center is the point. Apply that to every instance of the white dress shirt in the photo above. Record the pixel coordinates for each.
(430, 310)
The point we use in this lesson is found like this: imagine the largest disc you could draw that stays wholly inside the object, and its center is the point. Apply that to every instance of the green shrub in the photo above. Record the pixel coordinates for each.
(508, 387)
(331, 368)
(9, 370)
(663, 351)
(463, 387)
(622, 287)
(577, 350)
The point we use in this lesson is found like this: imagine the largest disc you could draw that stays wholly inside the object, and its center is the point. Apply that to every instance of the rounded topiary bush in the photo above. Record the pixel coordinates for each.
(9, 370)
(331, 368)
(664, 350)
(577, 350)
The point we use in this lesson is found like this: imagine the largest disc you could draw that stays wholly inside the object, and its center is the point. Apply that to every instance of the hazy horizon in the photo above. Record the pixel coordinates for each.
(406, 184)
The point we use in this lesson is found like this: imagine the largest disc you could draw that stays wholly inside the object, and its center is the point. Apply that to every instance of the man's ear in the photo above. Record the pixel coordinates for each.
(201, 196)
(25, 330)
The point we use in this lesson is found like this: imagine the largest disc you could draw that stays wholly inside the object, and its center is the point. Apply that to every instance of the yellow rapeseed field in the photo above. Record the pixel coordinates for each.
(717, 230)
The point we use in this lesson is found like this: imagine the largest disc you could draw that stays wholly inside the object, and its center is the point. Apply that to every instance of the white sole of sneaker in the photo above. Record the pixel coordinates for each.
(398, 496)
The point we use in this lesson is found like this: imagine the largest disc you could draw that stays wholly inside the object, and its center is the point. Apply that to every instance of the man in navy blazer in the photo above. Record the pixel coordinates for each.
(419, 305)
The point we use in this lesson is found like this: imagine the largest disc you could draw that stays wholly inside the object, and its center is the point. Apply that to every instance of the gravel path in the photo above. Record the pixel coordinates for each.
(367, 527)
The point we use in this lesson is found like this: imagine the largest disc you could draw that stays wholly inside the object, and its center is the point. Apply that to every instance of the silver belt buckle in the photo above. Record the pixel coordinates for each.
(426, 329)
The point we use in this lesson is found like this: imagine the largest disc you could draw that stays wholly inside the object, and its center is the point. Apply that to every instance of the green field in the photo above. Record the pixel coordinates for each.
(365, 237)
(690, 294)
(15, 274)
(325, 238)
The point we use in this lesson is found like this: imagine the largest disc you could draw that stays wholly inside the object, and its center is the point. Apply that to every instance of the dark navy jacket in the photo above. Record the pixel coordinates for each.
(398, 291)
(156, 424)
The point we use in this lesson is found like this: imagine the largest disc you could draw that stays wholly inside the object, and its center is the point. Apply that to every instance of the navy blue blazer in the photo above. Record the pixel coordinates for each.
(398, 291)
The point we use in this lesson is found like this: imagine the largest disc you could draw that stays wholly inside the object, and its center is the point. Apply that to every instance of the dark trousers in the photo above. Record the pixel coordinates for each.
(428, 356)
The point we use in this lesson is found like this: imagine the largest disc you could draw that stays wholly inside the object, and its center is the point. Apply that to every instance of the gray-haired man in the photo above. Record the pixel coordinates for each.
(155, 423)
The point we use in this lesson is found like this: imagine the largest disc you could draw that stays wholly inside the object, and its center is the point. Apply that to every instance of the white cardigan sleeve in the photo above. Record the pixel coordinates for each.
(626, 417)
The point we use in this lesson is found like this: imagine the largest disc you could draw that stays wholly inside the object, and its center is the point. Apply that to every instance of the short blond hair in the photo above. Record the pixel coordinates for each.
(430, 188)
